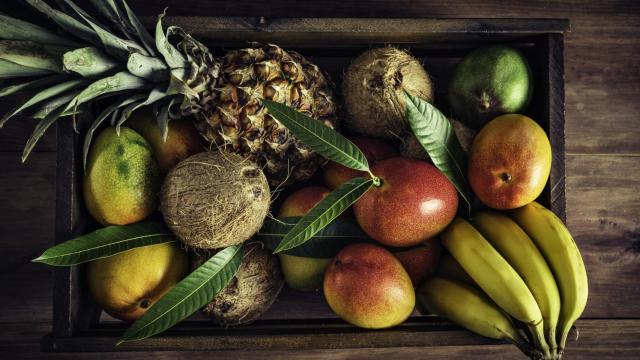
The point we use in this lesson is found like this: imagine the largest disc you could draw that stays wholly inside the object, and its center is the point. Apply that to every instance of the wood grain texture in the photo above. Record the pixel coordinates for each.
(599, 339)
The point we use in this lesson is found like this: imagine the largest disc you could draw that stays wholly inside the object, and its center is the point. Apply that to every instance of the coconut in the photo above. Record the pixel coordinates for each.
(251, 292)
(215, 199)
(373, 90)
(411, 148)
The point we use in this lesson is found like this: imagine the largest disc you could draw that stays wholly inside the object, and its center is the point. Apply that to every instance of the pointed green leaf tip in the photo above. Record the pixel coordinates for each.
(326, 243)
(325, 212)
(322, 139)
(189, 295)
(106, 242)
(436, 135)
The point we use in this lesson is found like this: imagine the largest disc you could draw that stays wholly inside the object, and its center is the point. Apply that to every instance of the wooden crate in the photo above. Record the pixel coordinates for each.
(301, 320)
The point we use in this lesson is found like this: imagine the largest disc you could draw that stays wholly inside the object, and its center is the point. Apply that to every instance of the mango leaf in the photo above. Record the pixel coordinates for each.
(88, 61)
(436, 135)
(322, 139)
(66, 22)
(44, 95)
(32, 84)
(100, 119)
(324, 244)
(15, 29)
(189, 295)
(325, 212)
(106, 242)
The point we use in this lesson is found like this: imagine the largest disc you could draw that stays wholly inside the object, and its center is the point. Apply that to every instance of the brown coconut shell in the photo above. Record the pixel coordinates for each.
(215, 199)
(411, 148)
(373, 90)
(251, 292)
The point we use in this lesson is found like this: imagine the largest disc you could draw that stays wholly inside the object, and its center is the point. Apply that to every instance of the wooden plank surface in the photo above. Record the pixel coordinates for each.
(602, 163)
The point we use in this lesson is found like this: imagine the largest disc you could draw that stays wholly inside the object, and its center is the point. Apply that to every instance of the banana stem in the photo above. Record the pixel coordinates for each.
(538, 338)
(524, 346)
(551, 340)
(566, 329)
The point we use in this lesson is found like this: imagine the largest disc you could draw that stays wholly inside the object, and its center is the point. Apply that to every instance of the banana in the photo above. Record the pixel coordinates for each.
(495, 277)
(520, 251)
(563, 256)
(471, 309)
(449, 268)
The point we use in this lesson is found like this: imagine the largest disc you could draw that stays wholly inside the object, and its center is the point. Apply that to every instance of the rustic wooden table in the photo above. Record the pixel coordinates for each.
(602, 163)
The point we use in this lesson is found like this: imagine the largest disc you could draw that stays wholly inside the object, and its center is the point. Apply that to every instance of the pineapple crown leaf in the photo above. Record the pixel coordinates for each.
(15, 29)
(115, 45)
(66, 22)
(88, 62)
(97, 59)
(44, 95)
(172, 57)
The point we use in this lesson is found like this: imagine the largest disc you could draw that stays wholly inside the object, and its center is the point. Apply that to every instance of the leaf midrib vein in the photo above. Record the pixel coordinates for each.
(319, 217)
(188, 296)
(322, 139)
(104, 245)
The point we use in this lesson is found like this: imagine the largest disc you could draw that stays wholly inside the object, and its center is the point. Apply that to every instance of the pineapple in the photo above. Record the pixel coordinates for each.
(171, 72)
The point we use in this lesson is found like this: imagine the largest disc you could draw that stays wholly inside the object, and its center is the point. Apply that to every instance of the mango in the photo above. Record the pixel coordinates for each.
(121, 180)
(368, 287)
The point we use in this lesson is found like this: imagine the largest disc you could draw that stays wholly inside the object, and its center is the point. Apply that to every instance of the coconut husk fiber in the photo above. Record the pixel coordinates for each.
(373, 90)
(215, 199)
(251, 292)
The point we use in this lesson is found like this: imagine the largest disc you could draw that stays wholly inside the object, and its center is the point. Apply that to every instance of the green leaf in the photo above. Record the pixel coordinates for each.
(32, 84)
(42, 110)
(31, 55)
(117, 83)
(436, 135)
(125, 113)
(88, 62)
(9, 70)
(66, 22)
(100, 119)
(144, 36)
(106, 242)
(155, 94)
(325, 244)
(174, 59)
(163, 118)
(42, 127)
(189, 295)
(324, 212)
(118, 47)
(15, 29)
(150, 68)
(44, 95)
(322, 139)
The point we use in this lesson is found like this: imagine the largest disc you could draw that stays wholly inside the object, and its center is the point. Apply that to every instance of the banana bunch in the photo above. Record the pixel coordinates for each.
(509, 274)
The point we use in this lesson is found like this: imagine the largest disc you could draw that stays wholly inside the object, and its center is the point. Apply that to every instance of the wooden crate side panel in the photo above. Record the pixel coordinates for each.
(73, 310)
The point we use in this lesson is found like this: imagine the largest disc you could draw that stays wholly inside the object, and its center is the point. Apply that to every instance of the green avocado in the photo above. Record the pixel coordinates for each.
(488, 82)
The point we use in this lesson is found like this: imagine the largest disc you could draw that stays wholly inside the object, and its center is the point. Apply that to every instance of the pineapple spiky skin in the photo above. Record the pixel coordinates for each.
(236, 120)
(172, 73)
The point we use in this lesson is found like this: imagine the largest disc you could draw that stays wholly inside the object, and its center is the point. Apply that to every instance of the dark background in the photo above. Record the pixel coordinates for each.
(602, 74)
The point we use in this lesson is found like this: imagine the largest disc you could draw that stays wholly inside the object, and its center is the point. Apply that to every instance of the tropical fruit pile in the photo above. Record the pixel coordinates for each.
(204, 180)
